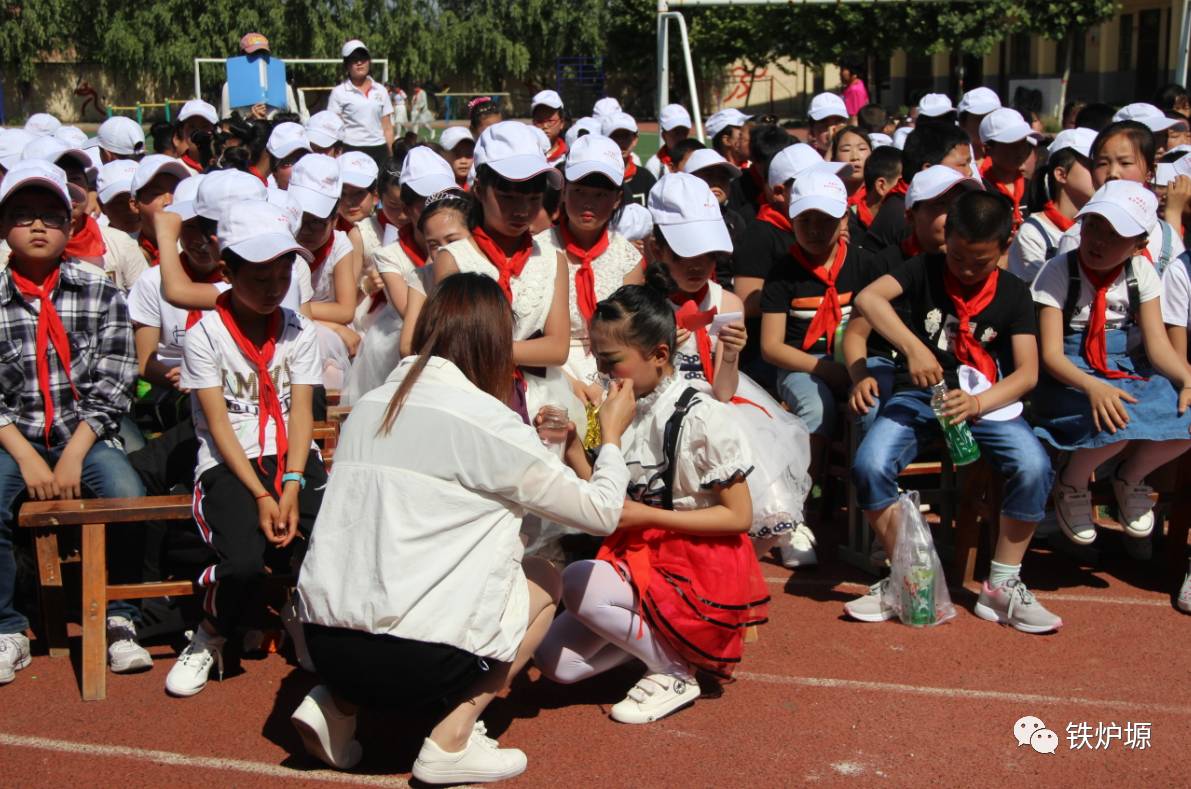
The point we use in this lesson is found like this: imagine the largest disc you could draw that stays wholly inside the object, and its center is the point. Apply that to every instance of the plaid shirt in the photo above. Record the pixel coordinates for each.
(102, 366)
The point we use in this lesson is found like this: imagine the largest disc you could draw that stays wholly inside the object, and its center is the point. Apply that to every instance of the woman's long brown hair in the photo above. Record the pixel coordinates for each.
(469, 323)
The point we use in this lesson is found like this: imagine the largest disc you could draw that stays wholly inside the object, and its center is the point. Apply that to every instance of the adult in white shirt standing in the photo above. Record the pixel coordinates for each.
(364, 105)
(433, 474)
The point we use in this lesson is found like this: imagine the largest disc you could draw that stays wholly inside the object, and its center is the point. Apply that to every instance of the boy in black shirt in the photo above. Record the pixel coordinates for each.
(622, 128)
(882, 171)
(967, 322)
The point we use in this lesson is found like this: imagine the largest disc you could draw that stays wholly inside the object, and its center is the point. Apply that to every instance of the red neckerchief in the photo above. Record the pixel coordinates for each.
(767, 213)
(87, 243)
(409, 245)
(152, 253)
(252, 168)
(211, 277)
(664, 157)
(585, 293)
(50, 331)
(269, 405)
(322, 253)
(901, 187)
(558, 150)
(1015, 194)
(344, 225)
(630, 169)
(830, 313)
(910, 246)
(857, 201)
(967, 349)
(1057, 219)
(1095, 344)
(191, 163)
(508, 267)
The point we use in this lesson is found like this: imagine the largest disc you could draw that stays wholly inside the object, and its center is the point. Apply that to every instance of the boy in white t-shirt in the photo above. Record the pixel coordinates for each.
(251, 367)
(123, 261)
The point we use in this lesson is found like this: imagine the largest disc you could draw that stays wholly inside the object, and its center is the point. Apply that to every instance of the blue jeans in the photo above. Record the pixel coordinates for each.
(811, 399)
(106, 474)
(907, 422)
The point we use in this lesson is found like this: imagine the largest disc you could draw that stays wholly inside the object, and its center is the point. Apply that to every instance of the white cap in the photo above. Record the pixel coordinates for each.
(12, 145)
(935, 181)
(1129, 207)
(358, 169)
(900, 135)
(595, 153)
(1148, 114)
(287, 138)
(877, 139)
(635, 223)
(674, 116)
(324, 129)
(315, 184)
(979, 101)
(198, 108)
(819, 191)
(73, 136)
(688, 215)
(114, 178)
(795, 161)
(453, 135)
(425, 172)
(548, 98)
(827, 105)
(258, 231)
(184, 195)
(1165, 172)
(723, 119)
(35, 172)
(1006, 125)
(1078, 140)
(617, 121)
(351, 46)
(51, 149)
(703, 158)
(589, 125)
(222, 188)
(514, 152)
(152, 165)
(605, 106)
(543, 139)
(42, 124)
(122, 136)
(933, 105)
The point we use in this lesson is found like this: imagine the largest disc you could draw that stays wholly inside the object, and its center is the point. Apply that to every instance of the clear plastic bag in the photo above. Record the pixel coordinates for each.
(917, 586)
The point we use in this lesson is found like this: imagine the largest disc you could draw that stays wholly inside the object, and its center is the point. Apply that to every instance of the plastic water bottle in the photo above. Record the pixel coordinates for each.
(918, 591)
(837, 345)
(960, 443)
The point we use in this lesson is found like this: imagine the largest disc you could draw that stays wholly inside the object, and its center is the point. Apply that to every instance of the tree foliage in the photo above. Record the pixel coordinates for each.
(30, 28)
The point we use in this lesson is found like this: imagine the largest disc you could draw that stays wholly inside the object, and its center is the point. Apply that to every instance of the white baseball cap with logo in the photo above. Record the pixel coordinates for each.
(636, 223)
(259, 232)
(605, 106)
(122, 136)
(515, 153)
(223, 188)
(936, 181)
(827, 105)
(595, 153)
(324, 129)
(286, 138)
(315, 185)
(617, 121)
(51, 149)
(819, 191)
(35, 172)
(12, 145)
(1008, 126)
(352, 46)
(706, 158)
(73, 136)
(425, 172)
(453, 135)
(197, 108)
(42, 124)
(979, 101)
(1149, 115)
(184, 195)
(1078, 140)
(795, 161)
(934, 105)
(725, 119)
(1129, 207)
(674, 116)
(689, 216)
(546, 98)
(115, 178)
(155, 164)
(358, 169)
(581, 126)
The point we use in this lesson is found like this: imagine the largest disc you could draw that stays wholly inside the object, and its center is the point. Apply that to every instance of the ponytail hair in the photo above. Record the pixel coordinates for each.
(1043, 186)
(644, 317)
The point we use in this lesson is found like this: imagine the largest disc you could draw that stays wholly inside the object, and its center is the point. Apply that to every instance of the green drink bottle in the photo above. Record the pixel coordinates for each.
(918, 592)
(837, 344)
(960, 443)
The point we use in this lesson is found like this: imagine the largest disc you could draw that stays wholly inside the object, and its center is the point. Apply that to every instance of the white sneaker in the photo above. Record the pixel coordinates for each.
(1135, 506)
(297, 635)
(797, 549)
(1184, 601)
(482, 761)
(1073, 511)
(125, 655)
(14, 655)
(328, 734)
(654, 697)
(189, 675)
(873, 605)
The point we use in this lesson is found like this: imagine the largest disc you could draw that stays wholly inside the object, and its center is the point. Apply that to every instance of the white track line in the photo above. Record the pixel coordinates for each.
(202, 762)
(1059, 596)
(961, 693)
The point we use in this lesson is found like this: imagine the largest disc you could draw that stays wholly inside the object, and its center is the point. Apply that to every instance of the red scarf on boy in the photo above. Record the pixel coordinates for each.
(858, 201)
(87, 243)
(901, 187)
(767, 213)
(585, 293)
(50, 331)
(152, 253)
(910, 246)
(1014, 193)
(1095, 343)
(211, 277)
(1051, 211)
(508, 267)
(269, 404)
(829, 313)
(967, 349)
(664, 157)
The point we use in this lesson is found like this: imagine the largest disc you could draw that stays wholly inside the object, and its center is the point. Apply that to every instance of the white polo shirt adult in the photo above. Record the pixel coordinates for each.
(362, 112)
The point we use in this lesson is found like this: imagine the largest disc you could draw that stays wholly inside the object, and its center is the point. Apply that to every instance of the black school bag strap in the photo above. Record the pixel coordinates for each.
(1036, 223)
(670, 444)
(1075, 282)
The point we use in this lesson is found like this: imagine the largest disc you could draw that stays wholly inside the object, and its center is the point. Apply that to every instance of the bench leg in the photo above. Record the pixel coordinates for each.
(94, 612)
(53, 596)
